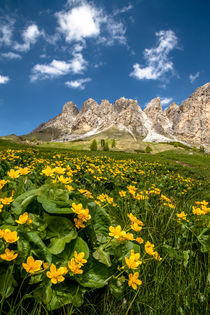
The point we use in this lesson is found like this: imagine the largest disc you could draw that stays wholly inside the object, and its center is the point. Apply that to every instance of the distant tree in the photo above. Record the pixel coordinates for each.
(113, 143)
(148, 149)
(106, 146)
(102, 143)
(202, 149)
(93, 146)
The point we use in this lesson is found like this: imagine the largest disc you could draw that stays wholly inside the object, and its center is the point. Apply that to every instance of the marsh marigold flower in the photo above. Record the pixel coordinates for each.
(56, 275)
(24, 218)
(149, 248)
(133, 261)
(32, 265)
(10, 237)
(181, 215)
(79, 223)
(9, 255)
(133, 280)
(13, 174)
(116, 232)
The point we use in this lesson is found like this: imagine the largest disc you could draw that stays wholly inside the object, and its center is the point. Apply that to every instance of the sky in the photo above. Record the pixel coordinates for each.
(54, 51)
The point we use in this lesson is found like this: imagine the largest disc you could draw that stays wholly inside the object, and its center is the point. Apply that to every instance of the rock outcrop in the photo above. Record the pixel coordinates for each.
(188, 122)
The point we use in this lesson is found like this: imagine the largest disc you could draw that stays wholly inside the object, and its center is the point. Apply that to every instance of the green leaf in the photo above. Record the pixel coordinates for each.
(22, 201)
(78, 245)
(61, 231)
(95, 275)
(23, 248)
(37, 246)
(66, 293)
(116, 288)
(99, 219)
(7, 283)
(125, 249)
(102, 256)
(51, 207)
(186, 257)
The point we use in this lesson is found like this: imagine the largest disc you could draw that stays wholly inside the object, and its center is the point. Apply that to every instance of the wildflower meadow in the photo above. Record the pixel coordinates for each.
(90, 233)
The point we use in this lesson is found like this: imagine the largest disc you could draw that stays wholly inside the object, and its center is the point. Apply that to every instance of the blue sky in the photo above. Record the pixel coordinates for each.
(56, 51)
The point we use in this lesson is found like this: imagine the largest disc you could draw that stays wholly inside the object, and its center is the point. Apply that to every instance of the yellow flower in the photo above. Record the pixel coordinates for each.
(2, 183)
(32, 265)
(133, 280)
(8, 255)
(56, 275)
(74, 267)
(6, 200)
(129, 236)
(79, 258)
(116, 232)
(198, 211)
(122, 193)
(1, 233)
(133, 261)
(181, 215)
(149, 248)
(79, 223)
(24, 171)
(10, 237)
(59, 170)
(1, 206)
(86, 193)
(46, 265)
(84, 215)
(24, 218)
(69, 188)
(157, 256)
(134, 219)
(48, 171)
(13, 174)
(64, 180)
(139, 240)
(136, 227)
(77, 208)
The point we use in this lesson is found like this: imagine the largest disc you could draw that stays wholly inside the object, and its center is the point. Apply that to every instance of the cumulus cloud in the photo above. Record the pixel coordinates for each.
(30, 36)
(6, 31)
(11, 55)
(157, 58)
(82, 20)
(193, 77)
(78, 84)
(3, 79)
(59, 68)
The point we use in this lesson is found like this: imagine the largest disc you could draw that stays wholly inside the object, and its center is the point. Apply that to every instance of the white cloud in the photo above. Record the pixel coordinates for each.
(58, 68)
(123, 10)
(157, 60)
(78, 84)
(6, 30)
(193, 77)
(83, 20)
(3, 79)
(30, 36)
(166, 100)
(11, 55)
(79, 23)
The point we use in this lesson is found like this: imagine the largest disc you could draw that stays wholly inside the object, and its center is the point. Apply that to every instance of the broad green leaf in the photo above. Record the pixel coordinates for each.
(99, 219)
(117, 288)
(51, 207)
(66, 293)
(125, 249)
(37, 246)
(78, 245)
(22, 201)
(95, 275)
(23, 247)
(61, 231)
(102, 256)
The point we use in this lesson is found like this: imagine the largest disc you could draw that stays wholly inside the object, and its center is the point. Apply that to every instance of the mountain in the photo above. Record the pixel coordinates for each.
(188, 122)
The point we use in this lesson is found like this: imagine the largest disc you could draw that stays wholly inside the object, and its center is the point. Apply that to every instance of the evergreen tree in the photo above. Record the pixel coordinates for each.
(113, 143)
(93, 146)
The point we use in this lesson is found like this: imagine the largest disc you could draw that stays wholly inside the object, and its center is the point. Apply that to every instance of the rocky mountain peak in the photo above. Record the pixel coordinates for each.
(154, 105)
(70, 108)
(89, 105)
(124, 104)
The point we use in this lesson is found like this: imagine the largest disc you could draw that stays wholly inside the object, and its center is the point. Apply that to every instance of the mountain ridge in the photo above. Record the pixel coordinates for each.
(188, 122)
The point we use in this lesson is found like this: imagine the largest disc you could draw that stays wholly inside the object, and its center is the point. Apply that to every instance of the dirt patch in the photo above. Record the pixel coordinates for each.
(184, 164)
